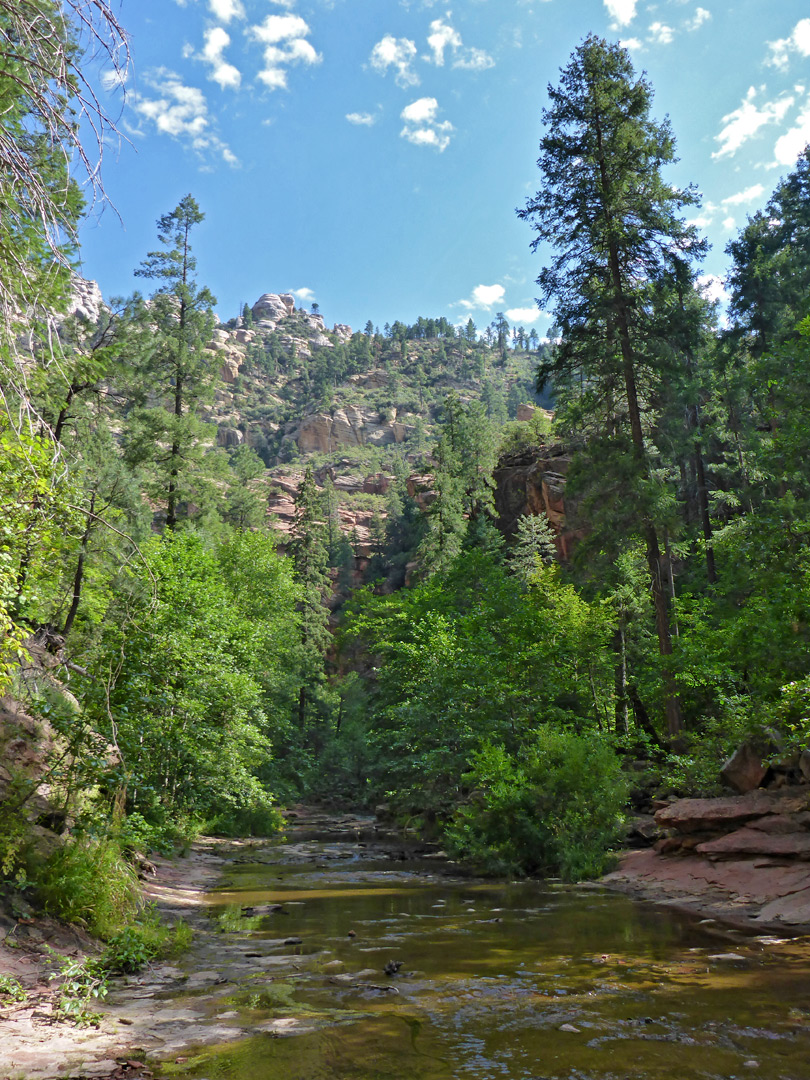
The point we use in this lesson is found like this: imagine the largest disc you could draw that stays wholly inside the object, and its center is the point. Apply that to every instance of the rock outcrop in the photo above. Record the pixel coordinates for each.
(271, 308)
(86, 301)
(349, 426)
(533, 482)
(741, 858)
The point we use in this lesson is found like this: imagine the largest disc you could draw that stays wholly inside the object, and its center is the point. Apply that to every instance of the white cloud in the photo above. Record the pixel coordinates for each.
(399, 54)
(422, 111)
(743, 123)
(225, 10)
(702, 221)
(793, 142)
(661, 34)
(632, 43)
(473, 60)
(742, 197)
(217, 41)
(443, 37)
(422, 128)
(712, 287)
(484, 298)
(698, 19)
(181, 112)
(798, 42)
(307, 295)
(114, 78)
(284, 40)
(729, 223)
(520, 315)
(622, 12)
(362, 119)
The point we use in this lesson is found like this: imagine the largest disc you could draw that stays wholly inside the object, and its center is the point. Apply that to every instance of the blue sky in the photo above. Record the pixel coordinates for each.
(370, 154)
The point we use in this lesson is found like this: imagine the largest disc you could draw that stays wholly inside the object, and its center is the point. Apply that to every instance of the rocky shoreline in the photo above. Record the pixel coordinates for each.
(741, 859)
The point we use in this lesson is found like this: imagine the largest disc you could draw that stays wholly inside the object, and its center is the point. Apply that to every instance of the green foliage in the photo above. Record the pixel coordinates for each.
(468, 658)
(82, 982)
(191, 694)
(89, 882)
(11, 988)
(533, 547)
(34, 512)
(139, 942)
(172, 372)
(555, 808)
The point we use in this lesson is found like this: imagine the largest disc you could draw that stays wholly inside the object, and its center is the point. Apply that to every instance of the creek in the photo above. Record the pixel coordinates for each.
(496, 980)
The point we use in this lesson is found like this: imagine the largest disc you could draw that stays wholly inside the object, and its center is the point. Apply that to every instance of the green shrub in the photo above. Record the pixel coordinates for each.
(556, 810)
(142, 941)
(88, 881)
(251, 820)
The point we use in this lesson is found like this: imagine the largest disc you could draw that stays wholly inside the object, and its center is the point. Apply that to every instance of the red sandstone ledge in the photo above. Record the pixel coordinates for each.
(757, 893)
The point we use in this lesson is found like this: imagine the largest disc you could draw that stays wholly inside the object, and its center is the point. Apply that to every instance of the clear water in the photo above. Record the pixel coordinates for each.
(498, 981)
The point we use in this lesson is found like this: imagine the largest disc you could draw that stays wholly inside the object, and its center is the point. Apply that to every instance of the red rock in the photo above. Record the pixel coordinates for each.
(755, 842)
(668, 845)
(781, 823)
(745, 769)
(713, 815)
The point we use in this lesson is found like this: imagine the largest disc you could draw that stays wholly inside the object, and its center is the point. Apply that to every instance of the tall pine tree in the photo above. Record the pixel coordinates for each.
(616, 228)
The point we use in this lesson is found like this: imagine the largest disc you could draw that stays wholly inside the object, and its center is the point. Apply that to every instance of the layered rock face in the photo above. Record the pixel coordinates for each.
(743, 858)
(533, 482)
(349, 426)
(354, 521)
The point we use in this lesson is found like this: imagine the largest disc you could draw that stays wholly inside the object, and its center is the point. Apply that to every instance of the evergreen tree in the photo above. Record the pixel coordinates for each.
(616, 226)
(173, 367)
(464, 460)
(308, 550)
(533, 548)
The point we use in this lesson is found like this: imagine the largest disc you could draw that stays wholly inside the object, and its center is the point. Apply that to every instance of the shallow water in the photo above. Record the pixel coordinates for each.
(498, 981)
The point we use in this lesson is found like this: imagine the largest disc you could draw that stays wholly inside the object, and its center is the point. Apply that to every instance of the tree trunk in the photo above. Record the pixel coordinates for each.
(621, 697)
(705, 519)
(78, 577)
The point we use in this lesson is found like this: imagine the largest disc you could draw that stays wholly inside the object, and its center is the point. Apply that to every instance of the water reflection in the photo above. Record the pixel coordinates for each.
(502, 981)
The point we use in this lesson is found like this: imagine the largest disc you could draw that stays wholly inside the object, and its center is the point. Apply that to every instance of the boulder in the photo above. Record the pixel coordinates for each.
(533, 482)
(369, 380)
(229, 372)
(804, 764)
(528, 412)
(745, 770)
(782, 823)
(86, 301)
(342, 331)
(315, 434)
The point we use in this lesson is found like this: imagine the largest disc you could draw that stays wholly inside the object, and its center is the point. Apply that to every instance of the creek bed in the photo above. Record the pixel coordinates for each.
(495, 980)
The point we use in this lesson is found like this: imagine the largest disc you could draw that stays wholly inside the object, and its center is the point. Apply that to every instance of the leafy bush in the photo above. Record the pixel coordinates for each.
(252, 820)
(555, 810)
(146, 939)
(519, 436)
(88, 881)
